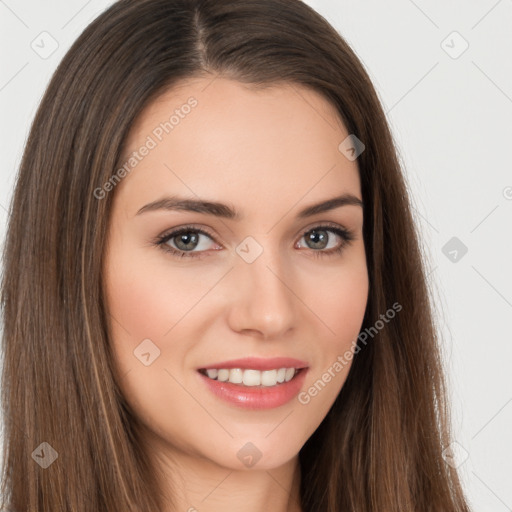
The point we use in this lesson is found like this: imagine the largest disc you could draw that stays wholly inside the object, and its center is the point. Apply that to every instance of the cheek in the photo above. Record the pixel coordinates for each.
(340, 298)
(339, 306)
(150, 297)
(140, 305)
(145, 303)
(145, 297)
(347, 304)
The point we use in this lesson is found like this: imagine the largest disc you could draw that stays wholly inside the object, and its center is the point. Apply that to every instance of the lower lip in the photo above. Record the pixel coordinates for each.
(249, 397)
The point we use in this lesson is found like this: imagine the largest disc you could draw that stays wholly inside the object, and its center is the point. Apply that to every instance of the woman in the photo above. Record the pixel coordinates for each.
(213, 292)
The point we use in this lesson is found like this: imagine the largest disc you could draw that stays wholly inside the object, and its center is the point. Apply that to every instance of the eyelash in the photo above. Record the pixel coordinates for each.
(346, 236)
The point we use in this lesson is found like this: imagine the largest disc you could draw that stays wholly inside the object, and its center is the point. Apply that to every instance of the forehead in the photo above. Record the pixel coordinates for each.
(218, 138)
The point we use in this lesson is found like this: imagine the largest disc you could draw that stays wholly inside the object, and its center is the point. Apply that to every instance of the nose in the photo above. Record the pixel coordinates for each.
(263, 299)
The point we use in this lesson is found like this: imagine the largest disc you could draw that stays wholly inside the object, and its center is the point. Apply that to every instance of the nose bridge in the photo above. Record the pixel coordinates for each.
(264, 301)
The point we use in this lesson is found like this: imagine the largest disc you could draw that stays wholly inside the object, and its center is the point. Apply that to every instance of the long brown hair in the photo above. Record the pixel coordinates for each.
(379, 447)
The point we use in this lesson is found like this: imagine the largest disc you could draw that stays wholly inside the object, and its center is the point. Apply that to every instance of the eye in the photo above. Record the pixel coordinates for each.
(184, 239)
(319, 237)
(182, 242)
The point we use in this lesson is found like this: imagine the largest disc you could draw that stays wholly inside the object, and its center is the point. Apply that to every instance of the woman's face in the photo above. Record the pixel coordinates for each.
(260, 285)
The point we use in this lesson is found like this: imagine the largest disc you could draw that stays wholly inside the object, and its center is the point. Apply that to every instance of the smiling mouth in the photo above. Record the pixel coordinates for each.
(252, 378)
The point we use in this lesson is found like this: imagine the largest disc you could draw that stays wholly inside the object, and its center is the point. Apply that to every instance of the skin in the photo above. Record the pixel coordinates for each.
(269, 154)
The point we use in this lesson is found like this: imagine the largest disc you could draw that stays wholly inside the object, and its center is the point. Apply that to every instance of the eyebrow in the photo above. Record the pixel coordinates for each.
(229, 212)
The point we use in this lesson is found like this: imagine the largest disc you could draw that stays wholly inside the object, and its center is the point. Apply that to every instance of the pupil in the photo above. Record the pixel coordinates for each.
(182, 239)
(317, 234)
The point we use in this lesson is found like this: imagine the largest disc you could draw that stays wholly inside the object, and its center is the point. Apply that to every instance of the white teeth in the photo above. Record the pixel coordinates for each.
(290, 372)
(236, 376)
(223, 375)
(212, 374)
(269, 377)
(252, 377)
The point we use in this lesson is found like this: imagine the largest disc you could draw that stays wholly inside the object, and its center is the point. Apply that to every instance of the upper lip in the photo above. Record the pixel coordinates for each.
(257, 363)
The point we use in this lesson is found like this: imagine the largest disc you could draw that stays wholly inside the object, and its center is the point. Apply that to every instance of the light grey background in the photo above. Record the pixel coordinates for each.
(450, 111)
